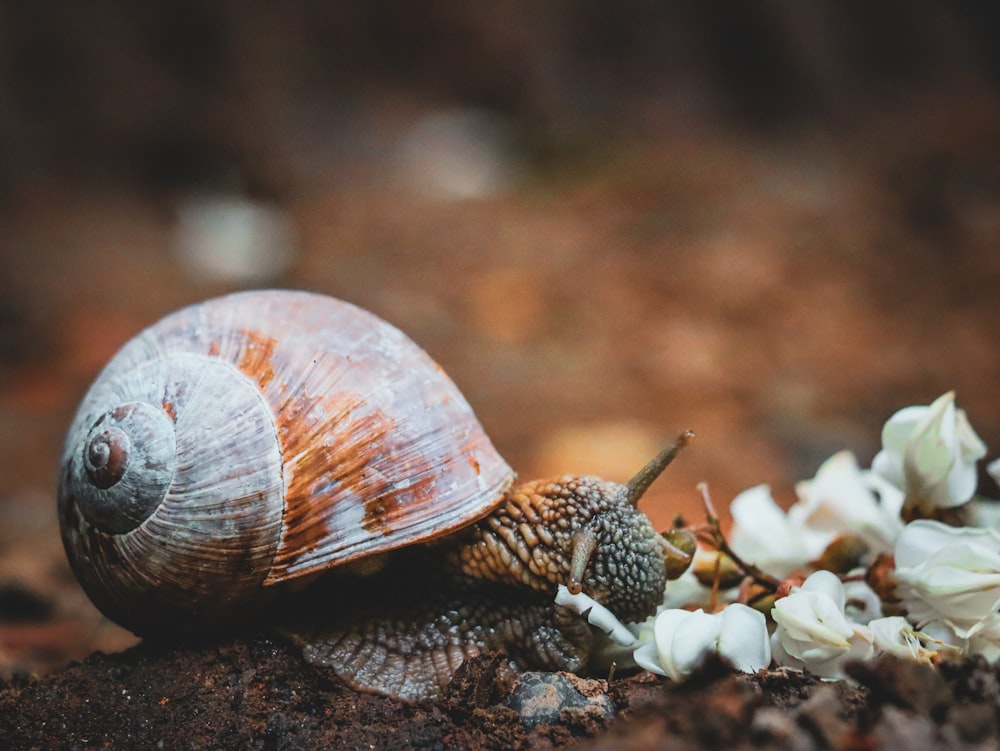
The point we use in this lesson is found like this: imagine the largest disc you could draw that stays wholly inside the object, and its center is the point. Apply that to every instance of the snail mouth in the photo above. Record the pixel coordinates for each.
(124, 468)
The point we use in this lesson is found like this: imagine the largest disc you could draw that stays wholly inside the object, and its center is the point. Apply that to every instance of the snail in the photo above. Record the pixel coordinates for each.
(288, 457)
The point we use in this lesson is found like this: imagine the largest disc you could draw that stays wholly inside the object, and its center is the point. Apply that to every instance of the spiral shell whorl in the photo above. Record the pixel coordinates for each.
(189, 529)
(129, 459)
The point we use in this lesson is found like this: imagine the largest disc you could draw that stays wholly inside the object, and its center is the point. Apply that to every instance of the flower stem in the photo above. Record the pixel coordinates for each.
(721, 544)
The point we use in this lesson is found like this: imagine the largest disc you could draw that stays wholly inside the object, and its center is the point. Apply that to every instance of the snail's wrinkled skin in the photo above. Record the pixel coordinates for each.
(492, 587)
(406, 638)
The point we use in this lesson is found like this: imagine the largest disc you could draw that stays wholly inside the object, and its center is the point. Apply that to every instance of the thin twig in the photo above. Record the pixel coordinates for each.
(722, 544)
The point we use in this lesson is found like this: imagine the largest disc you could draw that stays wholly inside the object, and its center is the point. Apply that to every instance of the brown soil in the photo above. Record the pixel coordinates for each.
(253, 693)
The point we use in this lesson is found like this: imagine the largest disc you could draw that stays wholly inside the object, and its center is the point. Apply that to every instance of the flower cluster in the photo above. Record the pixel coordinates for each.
(861, 564)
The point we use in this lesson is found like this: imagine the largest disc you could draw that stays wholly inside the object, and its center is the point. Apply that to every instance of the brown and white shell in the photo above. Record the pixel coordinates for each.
(254, 439)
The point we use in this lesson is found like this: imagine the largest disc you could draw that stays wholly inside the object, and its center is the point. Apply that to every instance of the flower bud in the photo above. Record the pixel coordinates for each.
(930, 453)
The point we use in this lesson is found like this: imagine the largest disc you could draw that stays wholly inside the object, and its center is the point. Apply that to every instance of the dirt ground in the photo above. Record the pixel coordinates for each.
(254, 693)
(776, 244)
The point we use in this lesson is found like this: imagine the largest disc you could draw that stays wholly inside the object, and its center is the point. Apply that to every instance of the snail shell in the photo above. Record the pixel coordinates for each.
(255, 439)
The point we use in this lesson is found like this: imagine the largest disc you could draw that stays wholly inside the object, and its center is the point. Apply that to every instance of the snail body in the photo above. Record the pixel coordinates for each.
(253, 447)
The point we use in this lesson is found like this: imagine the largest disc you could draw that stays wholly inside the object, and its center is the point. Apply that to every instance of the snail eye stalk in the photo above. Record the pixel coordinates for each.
(646, 476)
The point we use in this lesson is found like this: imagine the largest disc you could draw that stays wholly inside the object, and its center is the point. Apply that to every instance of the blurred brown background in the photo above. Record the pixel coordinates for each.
(773, 223)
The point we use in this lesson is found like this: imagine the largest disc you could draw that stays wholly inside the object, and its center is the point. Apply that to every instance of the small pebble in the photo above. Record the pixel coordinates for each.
(540, 698)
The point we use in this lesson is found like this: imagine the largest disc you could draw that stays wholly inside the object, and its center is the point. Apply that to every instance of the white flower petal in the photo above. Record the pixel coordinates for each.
(987, 513)
(941, 634)
(841, 499)
(954, 592)
(948, 573)
(897, 430)
(923, 538)
(664, 629)
(693, 638)
(862, 604)
(647, 658)
(994, 469)
(929, 453)
(964, 477)
(743, 638)
(826, 583)
(894, 635)
(890, 498)
(597, 615)
(811, 621)
(985, 640)
(764, 535)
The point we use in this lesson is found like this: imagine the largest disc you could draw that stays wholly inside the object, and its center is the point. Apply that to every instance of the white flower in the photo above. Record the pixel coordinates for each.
(895, 635)
(931, 453)
(682, 639)
(842, 498)
(812, 631)
(949, 574)
(764, 535)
